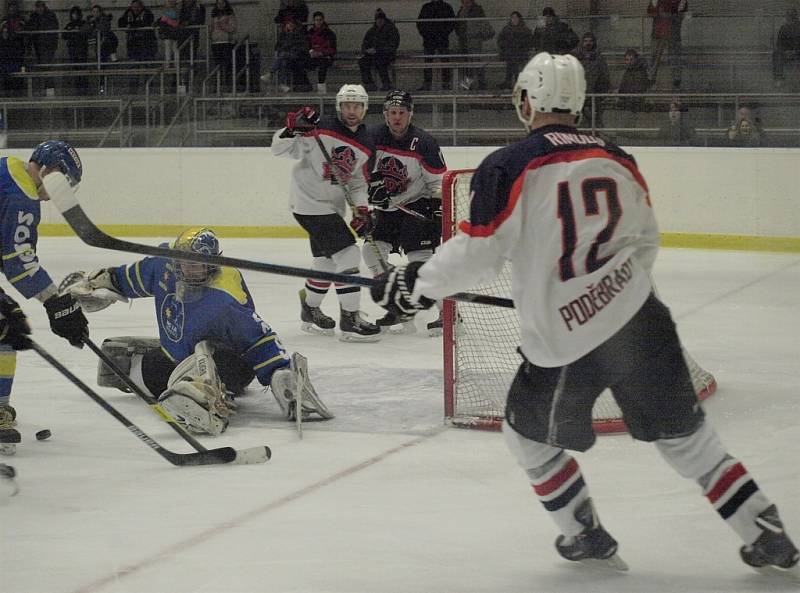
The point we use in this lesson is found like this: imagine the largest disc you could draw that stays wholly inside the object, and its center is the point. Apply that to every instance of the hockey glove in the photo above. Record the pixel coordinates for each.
(362, 222)
(378, 195)
(94, 291)
(392, 291)
(14, 328)
(66, 319)
(301, 122)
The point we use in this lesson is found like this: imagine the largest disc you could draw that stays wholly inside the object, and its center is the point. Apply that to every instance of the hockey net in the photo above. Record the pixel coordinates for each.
(480, 342)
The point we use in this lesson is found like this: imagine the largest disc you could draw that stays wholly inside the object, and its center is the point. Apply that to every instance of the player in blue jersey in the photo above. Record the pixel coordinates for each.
(405, 191)
(212, 342)
(572, 214)
(21, 190)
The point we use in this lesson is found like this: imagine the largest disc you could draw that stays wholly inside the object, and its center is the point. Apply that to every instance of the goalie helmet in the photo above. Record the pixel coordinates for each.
(197, 240)
(550, 84)
(60, 155)
(351, 93)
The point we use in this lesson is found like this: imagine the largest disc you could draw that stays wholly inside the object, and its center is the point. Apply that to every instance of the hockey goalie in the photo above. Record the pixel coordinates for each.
(212, 343)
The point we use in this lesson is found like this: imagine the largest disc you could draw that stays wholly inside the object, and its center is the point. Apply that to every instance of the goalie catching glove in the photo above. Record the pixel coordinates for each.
(300, 122)
(393, 291)
(14, 328)
(94, 291)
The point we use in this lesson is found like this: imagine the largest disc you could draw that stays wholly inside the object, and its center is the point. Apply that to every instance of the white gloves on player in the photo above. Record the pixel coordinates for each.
(393, 291)
(94, 291)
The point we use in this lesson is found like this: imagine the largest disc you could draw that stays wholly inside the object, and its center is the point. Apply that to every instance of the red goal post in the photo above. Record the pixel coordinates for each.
(480, 342)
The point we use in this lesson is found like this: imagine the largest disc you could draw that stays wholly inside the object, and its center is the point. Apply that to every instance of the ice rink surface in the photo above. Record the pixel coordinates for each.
(384, 498)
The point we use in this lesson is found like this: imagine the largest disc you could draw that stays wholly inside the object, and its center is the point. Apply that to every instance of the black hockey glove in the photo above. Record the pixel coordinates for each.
(392, 291)
(362, 222)
(301, 122)
(378, 195)
(14, 328)
(66, 319)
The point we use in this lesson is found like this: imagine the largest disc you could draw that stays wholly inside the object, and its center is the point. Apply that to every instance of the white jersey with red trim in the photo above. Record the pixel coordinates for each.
(572, 214)
(314, 190)
(411, 166)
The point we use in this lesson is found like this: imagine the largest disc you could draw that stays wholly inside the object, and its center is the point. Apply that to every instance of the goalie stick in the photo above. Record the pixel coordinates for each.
(67, 203)
(204, 457)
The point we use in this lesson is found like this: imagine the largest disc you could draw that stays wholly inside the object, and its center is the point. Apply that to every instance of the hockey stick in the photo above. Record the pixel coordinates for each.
(349, 198)
(204, 457)
(89, 233)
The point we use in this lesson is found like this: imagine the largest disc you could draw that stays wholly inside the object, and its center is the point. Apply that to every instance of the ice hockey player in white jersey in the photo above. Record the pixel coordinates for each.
(319, 197)
(405, 191)
(572, 213)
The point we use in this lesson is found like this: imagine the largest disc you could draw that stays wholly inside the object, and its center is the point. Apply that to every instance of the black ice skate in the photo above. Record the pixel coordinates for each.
(773, 552)
(436, 327)
(593, 546)
(314, 321)
(397, 324)
(354, 329)
(9, 436)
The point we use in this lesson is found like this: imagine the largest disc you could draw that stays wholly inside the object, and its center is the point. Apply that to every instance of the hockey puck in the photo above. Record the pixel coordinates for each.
(43, 435)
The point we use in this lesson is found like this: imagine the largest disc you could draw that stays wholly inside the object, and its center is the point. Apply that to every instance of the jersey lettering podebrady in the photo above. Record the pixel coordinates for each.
(222, 312)
(572, 213)
(19, 230)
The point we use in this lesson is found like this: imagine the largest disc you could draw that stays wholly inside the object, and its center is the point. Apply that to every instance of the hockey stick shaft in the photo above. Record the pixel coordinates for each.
(208, 457)
(151, 402)
(349, 198)
(90, 234)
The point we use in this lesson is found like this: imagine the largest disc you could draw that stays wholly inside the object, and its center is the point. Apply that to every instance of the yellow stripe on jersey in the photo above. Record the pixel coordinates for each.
(130, 280)
(167, 354)
(27, 251)
(139, 278)
(8, 364)
(263, 340)
(230, 280)
(19, 173)
(29, 272)
(270, 361)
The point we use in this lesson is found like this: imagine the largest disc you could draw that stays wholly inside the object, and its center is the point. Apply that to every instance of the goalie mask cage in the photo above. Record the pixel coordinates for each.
(480, 342)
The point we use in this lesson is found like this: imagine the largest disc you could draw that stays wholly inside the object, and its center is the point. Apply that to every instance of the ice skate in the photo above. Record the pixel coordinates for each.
(8, 485)
(9, 436)
(291, 385)
(354, 329)
(394, 324)
(773, 552)
(313, 320)
(436, 327)
(593, 546)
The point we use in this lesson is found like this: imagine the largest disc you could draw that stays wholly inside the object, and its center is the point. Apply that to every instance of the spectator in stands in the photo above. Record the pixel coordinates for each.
(100, 31)
(45, 43)
(676, 130)
(192, 14)
(142, 42)
(379, 50)
(788, 40)
(556, 37)
(515, 44)
(666, 34)
(471, 36)
(634, 80)
(169, 30)
(436, 38)
(597, 77)
(291, 53)
(745, 130)
(76, 36)
(322, 49)
(12, 50)
(223, 29)
(296, 9)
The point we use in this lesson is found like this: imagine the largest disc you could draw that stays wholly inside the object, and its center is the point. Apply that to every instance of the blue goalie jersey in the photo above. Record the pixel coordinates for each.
(221, 311)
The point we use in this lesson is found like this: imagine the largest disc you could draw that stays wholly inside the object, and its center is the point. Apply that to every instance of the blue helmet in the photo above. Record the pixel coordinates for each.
(61, 155)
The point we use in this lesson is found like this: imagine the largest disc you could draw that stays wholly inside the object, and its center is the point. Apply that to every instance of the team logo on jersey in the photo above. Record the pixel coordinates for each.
(171, 317)
(344, 159)
(395, 175)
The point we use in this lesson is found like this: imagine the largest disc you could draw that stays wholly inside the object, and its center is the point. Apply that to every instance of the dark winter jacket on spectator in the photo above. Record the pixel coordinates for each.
(44, 44)
(515, 42)
(594, 65)
(142, 43)
(555, 38)
(12, 41)
(634, 80)
(295, 9)
(789, 34)
(384, 41)
(293, 44)
(471, 35)
(99, 24)
(192, 13)
(76, 35)
(436, 35)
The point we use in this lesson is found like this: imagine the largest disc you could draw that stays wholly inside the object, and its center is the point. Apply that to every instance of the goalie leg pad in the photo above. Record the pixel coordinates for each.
(197, 406)
(121, 350)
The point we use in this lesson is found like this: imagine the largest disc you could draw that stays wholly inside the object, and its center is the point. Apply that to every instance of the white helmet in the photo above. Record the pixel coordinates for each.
(351, 93)
(550, 84)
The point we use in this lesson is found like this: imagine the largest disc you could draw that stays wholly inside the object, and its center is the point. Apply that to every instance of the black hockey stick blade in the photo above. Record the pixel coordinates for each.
(208, 457)
(90, 234)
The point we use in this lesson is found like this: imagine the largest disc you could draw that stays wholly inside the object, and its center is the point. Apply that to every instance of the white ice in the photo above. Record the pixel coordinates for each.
(384, 498)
